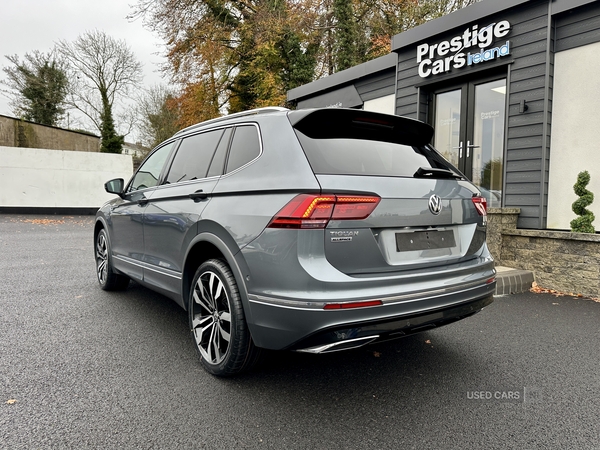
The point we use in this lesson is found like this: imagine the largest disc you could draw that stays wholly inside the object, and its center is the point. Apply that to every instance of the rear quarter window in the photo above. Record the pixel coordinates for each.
(244, 148)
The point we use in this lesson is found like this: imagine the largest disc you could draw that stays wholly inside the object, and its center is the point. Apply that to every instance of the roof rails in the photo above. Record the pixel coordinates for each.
(251, 112)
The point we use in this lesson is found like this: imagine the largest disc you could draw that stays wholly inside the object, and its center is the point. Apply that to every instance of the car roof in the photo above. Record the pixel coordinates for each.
(232, 117)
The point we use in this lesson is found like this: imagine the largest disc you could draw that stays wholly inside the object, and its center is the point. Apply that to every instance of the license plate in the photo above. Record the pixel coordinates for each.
(424, 240)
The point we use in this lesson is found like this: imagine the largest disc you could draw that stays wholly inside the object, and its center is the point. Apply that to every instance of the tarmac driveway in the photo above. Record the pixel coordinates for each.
(84, 368)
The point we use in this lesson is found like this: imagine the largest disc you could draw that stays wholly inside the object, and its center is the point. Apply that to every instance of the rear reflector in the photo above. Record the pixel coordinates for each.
(480, 205)
(490, 280)
(315, 211)
(350, 305)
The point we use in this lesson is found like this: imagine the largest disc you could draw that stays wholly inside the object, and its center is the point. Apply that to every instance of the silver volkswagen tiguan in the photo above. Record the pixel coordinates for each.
(313, 230)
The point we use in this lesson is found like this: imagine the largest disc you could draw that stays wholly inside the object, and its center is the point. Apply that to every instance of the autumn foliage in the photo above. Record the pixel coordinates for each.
(233, 55)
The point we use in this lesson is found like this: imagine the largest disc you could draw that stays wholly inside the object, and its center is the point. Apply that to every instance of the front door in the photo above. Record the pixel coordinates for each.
(469, 132)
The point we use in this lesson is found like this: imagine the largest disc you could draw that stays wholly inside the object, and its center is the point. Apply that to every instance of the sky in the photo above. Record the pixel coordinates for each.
(27, 25)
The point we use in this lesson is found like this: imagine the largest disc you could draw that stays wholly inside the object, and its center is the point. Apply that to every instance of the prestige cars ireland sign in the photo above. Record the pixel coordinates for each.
(472, 47)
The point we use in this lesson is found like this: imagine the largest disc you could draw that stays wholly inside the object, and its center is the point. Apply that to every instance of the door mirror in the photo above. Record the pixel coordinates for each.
(115, 186)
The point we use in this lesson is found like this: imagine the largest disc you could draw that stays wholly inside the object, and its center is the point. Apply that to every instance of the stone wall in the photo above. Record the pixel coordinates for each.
(23, 134)
(567, 262)
(500, 219)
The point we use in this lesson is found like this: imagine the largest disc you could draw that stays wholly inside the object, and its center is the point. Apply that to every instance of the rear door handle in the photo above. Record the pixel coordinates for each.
(198, 195)
(142, 201)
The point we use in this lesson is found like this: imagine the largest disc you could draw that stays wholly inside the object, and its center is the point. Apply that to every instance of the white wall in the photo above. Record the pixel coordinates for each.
(575, 144)
(386, 105)
(56, 178)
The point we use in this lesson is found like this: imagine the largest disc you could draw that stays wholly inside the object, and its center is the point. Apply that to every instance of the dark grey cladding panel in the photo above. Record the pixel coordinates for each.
(529, 217)
(377, 86)
(527, 222)
(407, 110)
(525, 73)
(346, 97)
(559, 6)
(522, 154)
(515, 132)
(578, 27)
(523, 200)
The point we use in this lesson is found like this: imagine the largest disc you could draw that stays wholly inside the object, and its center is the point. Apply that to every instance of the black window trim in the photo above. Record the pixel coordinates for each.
(228, 127)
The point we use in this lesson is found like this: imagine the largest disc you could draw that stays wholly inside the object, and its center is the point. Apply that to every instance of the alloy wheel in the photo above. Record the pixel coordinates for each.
(211, 317)
(102, 258)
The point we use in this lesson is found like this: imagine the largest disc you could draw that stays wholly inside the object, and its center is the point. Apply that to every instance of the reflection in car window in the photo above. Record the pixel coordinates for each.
(193, 157)
(244, 148)
(149, 171)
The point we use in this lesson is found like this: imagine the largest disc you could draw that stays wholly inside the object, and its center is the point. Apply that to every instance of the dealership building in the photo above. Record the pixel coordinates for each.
(512, 89)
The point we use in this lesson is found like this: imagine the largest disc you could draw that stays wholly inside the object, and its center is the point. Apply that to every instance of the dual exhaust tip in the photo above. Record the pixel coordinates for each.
(339, 346)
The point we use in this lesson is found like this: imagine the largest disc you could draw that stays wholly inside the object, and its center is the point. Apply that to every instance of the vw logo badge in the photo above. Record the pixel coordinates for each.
(435, 204)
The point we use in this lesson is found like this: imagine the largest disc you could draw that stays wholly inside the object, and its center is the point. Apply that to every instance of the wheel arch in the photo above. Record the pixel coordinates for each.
(100, 223)
(213, 241)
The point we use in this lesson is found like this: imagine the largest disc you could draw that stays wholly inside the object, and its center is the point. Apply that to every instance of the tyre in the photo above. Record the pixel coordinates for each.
(218, 323)
(108, 279)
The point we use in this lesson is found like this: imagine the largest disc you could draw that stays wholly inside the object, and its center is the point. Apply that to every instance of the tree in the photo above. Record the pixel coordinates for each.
(241, 54)
(38, 87)
(232, 54)
(159, 115)
(104, 72)
(346, 45)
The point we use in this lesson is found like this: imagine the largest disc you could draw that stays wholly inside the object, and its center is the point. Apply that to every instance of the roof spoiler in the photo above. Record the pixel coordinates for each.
(338, 123)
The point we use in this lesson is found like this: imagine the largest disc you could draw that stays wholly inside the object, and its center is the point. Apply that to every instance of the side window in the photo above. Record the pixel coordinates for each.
(193, 157)
(216, 166)
(149, 171)
(244, 148)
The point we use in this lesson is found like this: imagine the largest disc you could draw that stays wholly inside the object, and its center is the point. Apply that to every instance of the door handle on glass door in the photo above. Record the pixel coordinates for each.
(470, 146)
(460, 149)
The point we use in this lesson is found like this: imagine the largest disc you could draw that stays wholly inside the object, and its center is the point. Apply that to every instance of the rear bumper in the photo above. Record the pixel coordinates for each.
(284, 324)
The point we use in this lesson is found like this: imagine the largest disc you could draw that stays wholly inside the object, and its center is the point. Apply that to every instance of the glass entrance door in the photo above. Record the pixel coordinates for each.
(469, 132)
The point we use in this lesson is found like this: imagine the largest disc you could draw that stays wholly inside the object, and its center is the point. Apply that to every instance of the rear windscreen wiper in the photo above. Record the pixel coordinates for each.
(430, 172)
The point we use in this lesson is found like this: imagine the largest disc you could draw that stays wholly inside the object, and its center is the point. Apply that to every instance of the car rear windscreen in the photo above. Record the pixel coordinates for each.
(351, 156)
(355, 142)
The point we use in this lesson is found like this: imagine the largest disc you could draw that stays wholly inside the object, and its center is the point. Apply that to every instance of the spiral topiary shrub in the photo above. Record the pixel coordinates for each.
(583, 223)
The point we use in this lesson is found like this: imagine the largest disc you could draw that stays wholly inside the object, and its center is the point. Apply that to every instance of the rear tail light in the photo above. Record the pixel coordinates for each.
(480, 205)
(315, 211)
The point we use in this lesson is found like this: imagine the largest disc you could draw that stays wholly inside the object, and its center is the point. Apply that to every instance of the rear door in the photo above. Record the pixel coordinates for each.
(426, 216)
